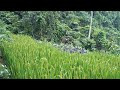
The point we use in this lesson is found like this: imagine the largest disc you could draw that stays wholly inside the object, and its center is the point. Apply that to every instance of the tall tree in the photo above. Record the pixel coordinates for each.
(90, 25)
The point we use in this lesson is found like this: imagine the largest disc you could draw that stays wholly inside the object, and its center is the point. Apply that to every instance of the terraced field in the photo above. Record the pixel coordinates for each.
(28, 59)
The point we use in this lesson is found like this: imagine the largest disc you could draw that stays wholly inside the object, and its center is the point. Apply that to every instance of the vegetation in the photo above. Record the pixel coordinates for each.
(53, 25)
(31, 60)
(27, 37)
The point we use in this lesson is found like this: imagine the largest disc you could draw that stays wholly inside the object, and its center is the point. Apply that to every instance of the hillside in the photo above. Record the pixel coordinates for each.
(60, 44)
(40, 60)
(53, 26)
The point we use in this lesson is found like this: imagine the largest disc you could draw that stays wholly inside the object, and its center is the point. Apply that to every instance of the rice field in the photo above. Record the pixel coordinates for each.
(27, 58)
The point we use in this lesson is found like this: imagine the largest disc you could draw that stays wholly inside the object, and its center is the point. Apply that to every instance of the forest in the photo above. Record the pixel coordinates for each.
(59, 44)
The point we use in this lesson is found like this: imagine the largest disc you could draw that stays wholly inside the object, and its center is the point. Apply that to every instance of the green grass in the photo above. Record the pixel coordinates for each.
(27, 59)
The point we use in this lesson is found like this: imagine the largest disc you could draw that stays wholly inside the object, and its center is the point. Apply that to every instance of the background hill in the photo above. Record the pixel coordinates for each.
(54, 26)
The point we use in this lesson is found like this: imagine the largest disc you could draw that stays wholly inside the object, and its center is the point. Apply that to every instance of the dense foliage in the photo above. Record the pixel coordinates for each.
(59, 44)
(55, 25)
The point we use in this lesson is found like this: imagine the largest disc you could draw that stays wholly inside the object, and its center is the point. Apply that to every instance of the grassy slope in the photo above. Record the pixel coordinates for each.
(28, 59)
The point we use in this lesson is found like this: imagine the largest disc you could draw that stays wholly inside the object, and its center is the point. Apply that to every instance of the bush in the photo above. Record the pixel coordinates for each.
(4, 33)
(88, 43)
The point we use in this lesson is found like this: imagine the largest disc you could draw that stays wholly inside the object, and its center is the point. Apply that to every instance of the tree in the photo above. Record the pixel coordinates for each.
(100, 40)
(90, 25)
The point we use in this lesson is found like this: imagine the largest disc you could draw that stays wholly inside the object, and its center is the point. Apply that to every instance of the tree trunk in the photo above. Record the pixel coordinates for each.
(90, 25)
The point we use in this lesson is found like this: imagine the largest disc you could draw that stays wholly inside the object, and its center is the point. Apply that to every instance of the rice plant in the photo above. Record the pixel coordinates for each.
(28, 59)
